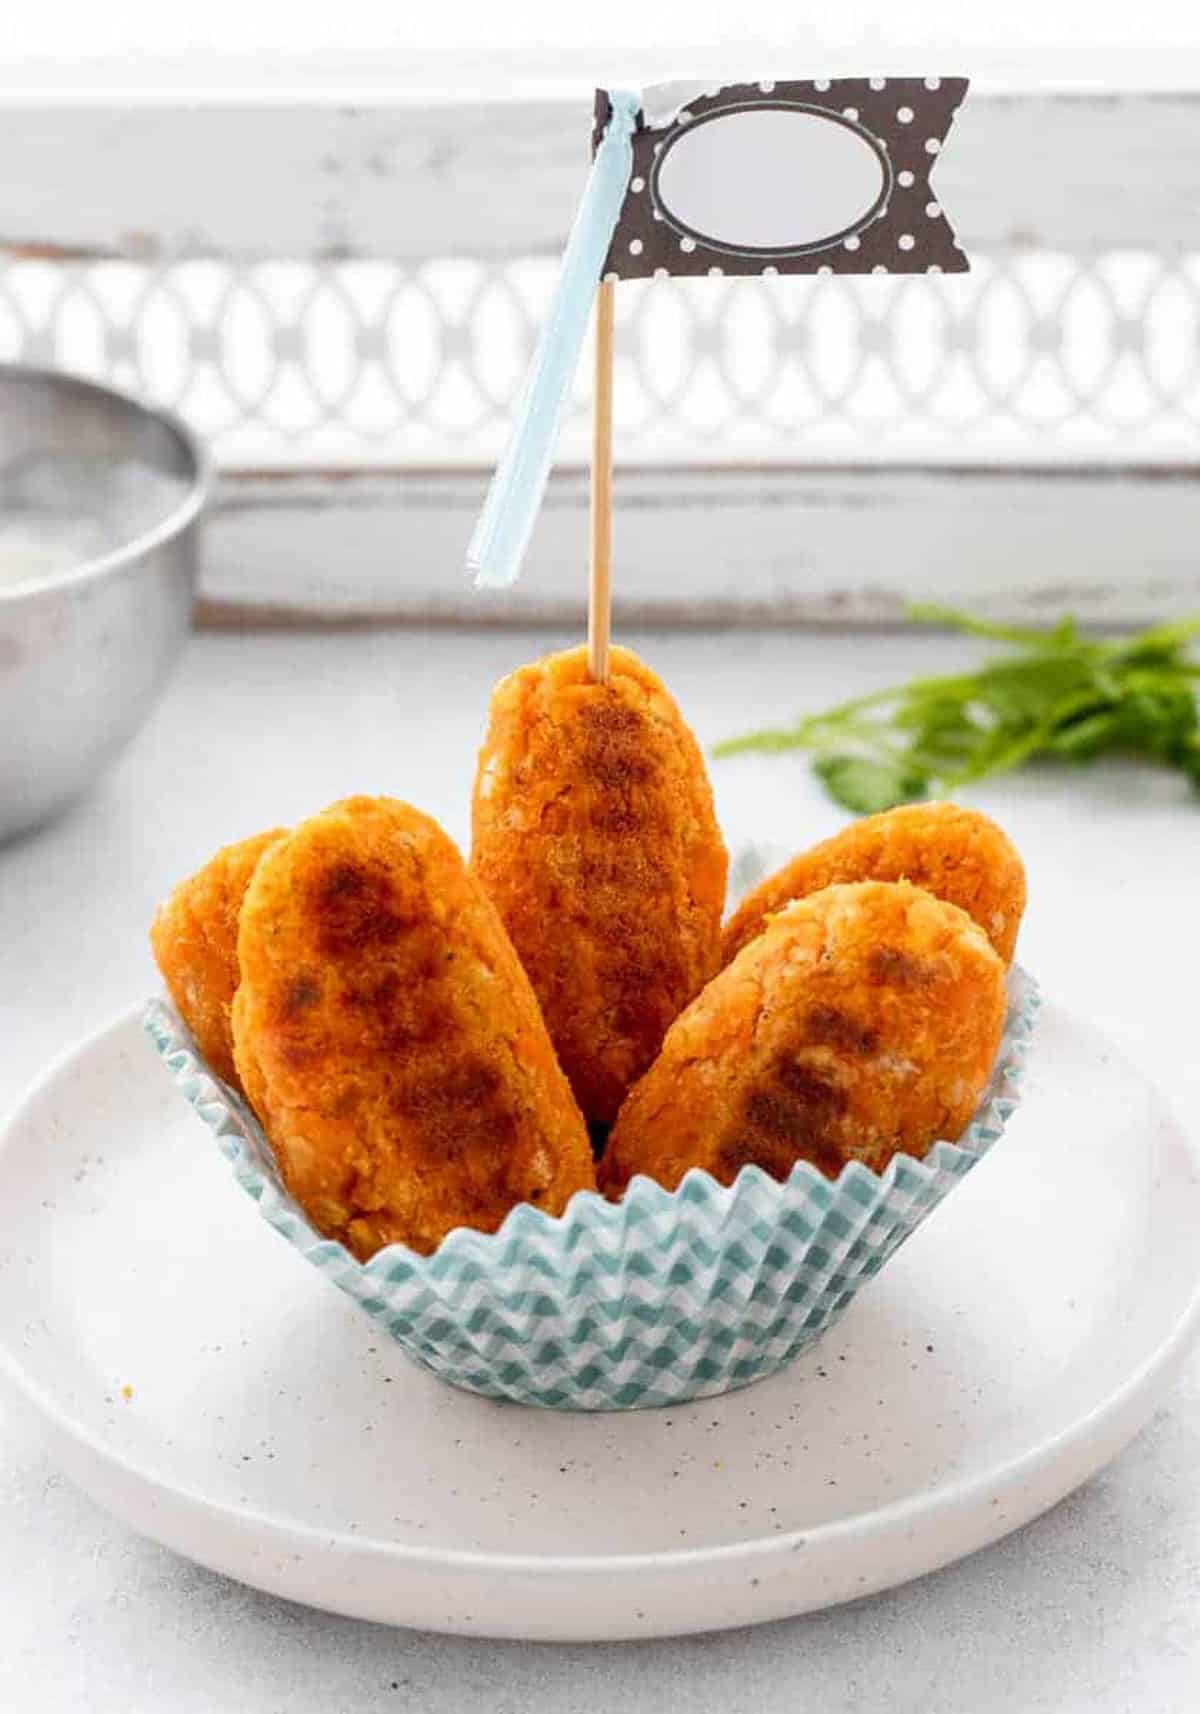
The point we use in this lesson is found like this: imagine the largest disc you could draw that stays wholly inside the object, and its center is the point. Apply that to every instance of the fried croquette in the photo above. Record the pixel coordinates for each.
(954, 853)
(594, 835)
(863, 1021)
(194, 940)
(390, 1041)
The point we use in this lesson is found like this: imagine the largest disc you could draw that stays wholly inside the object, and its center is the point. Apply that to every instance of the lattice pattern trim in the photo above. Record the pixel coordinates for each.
(1032, 356)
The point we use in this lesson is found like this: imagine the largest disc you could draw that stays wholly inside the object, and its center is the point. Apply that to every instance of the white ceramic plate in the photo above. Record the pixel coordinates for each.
(1012, 1347)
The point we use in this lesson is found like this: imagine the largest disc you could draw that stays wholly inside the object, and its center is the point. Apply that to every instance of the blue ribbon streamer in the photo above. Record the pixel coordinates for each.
(506, 522)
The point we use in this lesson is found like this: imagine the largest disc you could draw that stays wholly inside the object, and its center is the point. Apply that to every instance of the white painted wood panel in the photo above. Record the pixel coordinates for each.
(1060, 175)
(822, 546)
(1082, 172)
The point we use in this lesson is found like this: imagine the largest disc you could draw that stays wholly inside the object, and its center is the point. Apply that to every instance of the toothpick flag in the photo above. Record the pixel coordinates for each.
(825, 176)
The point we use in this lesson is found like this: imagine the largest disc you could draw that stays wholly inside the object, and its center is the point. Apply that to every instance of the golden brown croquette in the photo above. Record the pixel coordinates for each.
(954, 853)
(389, 1039)
(595, 837)
(863, 1021)
(194, 940)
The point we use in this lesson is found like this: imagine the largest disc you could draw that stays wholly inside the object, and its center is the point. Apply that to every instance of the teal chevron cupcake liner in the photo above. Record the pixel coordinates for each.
(663, 1297)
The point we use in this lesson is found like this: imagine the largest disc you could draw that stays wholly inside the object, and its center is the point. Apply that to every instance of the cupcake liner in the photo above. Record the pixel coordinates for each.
(663, 1297)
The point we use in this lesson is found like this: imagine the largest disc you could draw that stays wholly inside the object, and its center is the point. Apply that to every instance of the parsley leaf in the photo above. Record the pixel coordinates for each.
(1055, 696)
(868, 786)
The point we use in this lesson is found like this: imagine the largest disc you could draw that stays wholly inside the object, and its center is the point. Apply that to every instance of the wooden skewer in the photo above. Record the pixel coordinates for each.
(600, 567)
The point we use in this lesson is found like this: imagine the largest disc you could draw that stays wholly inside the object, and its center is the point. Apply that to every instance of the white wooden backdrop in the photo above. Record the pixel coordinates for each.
(1077, 174)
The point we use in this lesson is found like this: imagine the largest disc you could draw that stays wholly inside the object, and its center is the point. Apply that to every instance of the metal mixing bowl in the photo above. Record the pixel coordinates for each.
(100, 500)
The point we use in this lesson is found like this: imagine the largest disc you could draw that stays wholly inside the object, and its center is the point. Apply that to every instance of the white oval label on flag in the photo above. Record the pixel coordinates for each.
(771, 180)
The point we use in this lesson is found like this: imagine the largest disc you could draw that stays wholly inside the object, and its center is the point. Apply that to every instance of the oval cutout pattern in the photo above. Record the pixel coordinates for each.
(771, 180)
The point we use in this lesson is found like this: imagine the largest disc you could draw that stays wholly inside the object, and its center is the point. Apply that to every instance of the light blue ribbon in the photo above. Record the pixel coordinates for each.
(502, 534)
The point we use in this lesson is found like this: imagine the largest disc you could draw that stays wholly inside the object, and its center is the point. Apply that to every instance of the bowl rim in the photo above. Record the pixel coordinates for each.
(129, 553)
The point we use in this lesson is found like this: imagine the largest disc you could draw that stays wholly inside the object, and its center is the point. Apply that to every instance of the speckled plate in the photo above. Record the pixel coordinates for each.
(197, 1377)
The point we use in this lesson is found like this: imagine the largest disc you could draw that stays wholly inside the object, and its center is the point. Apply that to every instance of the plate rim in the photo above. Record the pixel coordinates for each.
(930, 1505)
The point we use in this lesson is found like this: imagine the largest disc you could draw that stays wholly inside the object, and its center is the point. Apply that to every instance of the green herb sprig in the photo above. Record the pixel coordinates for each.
(1058, 696)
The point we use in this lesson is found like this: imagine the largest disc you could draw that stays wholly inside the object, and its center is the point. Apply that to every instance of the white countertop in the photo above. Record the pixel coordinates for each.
(1092, 1608)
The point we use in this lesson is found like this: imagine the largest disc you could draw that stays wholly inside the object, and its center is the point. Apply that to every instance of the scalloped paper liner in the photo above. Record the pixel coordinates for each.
(660, 1298)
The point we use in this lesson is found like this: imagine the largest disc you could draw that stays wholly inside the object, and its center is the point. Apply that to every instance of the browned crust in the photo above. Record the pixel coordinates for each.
(957, 854)
(194, 941)
(390, 1041)
(594, 834)
(864, 1020)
